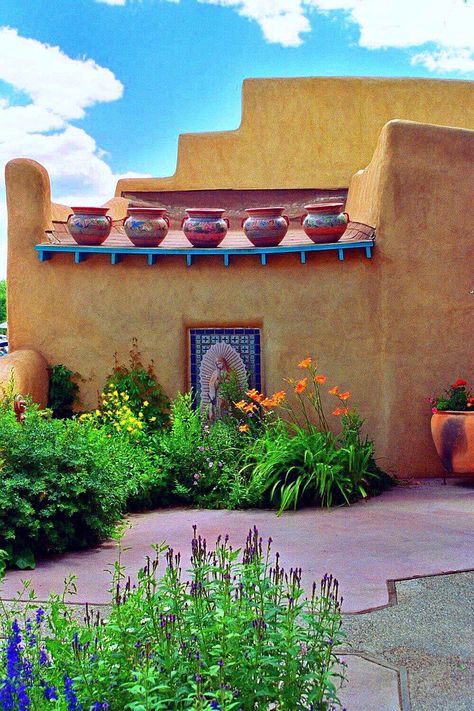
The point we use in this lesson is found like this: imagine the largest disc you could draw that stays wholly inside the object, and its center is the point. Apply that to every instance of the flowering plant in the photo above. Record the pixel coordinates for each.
(457, 397)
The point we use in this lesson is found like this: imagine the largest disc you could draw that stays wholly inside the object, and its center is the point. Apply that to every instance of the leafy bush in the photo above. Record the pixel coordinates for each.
(66, 483)
(3, 300)
(141, 386)
(63, 391)
(200, 459)
(239, 634)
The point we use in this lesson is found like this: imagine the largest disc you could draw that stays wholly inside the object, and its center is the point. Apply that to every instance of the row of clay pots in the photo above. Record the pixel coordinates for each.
(207, 227)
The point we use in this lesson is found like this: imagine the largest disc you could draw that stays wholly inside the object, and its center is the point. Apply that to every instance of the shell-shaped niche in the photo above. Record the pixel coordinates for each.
(229, 358)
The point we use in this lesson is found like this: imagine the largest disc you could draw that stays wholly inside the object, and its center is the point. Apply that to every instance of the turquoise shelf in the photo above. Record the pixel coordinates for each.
(154, 255)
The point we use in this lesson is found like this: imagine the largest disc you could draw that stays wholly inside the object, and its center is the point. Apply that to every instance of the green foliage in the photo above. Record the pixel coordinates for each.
(200, 459)
(236, 632)
(141, 385)
(66, 483)
(298, 465)
(457, 397)
(63, 391)
(3, 300)
(231, 391)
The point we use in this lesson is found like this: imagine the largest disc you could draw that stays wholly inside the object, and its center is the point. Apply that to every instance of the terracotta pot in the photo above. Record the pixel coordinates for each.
(205, 227)
(265, 226)
(325, 222)
(89, 225)
(453, 436)
(146, 226)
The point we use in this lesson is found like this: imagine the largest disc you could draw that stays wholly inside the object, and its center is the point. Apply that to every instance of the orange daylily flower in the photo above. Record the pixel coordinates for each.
(320, 379)
(244, 428)
(267, 402)
(278, 397)
(305, 363)
(344, 396)
(340, 411)
(254, 395)
(334, 390)
(300, 387)
(240, 405)
(251, 407)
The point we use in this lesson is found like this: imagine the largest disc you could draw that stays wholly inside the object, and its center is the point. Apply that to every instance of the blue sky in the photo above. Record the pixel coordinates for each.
(95, 89)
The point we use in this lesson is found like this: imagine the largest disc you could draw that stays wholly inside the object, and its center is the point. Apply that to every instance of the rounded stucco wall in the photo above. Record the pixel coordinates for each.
(27, 373)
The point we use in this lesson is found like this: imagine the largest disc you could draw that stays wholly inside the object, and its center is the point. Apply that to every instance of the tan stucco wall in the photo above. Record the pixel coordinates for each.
(311, 132)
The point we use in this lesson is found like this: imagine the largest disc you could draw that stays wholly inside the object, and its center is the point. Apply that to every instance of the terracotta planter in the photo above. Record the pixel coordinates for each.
(325, 222)
(89, 226)
(453, 436)
(146, 226)
(205, 227)
(265, 226)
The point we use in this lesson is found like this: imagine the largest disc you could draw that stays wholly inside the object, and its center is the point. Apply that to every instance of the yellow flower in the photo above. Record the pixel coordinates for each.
(145, 403)
(152, 419)
(305, 363)
(244, 428)
(97, 412)
(140, 414)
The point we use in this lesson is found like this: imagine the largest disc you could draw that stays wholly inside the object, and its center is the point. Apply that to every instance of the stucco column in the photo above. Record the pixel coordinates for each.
(29, 214)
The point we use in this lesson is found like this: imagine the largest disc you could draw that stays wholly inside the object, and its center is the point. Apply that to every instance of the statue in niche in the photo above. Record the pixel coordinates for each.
(215, 408)
(217, 362)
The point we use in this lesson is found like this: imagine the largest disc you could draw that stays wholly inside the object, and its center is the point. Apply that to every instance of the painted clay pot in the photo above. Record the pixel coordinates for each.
(265, 226)
(89, 226)
(325, 222)
(146, 226)
(453, 436)
(205, 227)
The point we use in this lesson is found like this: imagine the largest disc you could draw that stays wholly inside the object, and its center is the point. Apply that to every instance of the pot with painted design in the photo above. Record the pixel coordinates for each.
(325, 222)
(146, 226)
(89, 226)
(205, 227)
(453, 437)
(265, 226)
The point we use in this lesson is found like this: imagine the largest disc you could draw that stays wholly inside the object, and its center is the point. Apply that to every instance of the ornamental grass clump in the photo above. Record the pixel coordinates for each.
(235, 632)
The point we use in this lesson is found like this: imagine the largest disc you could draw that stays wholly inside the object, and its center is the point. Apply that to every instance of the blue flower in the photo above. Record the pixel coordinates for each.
(70, 694)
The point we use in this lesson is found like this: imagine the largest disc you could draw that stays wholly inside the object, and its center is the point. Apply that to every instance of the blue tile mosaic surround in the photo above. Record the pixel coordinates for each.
(246, 342)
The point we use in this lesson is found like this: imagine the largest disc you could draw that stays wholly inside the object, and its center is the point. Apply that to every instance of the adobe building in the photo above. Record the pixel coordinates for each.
(388, 312)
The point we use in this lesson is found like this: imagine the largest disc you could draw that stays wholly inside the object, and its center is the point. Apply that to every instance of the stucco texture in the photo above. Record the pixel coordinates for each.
(310, 132)
(392, 330)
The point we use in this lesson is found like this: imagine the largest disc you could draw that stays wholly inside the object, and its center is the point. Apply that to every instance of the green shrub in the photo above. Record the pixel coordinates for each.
(63, 391)
(141, 386)
(3, 300)
(233, 633)
(65, 484)
(201, 459)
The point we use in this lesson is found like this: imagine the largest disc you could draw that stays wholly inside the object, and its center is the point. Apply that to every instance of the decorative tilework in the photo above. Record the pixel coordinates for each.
(246, 342)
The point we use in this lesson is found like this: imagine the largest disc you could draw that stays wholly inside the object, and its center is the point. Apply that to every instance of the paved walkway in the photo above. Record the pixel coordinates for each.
(411, 530)
(419, 530)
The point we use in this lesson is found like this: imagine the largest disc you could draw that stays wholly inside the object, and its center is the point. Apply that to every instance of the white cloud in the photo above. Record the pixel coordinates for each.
(112, 2)
(448, 25)
(446, 60)
(60, 90)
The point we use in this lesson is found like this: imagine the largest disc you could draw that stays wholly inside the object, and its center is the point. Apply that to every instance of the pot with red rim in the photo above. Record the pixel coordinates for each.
(89, 226)
(325, 222)
(146, 226)
(265, 226)
(205, 227)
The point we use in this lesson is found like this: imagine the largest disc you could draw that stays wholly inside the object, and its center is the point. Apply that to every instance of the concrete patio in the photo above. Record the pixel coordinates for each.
(421, 529)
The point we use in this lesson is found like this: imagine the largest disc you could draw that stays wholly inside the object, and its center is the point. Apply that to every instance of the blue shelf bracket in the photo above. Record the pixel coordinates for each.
(226, 260)
(303, 257)
(115, 258)
(44, 256)
(152, 259)
(189, 260)
(368, 252)
(341, 254)
(79, 257)
(263, 259)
